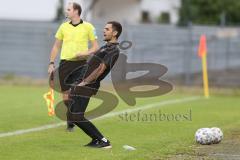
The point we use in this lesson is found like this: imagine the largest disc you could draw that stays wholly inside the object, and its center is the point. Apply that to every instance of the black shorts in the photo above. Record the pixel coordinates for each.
(65, 69)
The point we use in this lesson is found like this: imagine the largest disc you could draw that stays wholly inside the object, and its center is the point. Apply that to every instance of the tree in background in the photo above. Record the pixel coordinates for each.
(164, 18)
(213, 12)
(60, 11)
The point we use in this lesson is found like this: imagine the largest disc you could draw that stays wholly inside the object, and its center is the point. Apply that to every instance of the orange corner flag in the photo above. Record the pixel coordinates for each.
(202, 50)
(49, 98)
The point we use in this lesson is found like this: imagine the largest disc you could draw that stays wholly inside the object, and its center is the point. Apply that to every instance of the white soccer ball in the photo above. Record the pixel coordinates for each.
(204, 136)
(217, 135)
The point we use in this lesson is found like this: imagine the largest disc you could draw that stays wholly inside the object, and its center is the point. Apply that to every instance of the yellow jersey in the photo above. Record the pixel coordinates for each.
(75, 38)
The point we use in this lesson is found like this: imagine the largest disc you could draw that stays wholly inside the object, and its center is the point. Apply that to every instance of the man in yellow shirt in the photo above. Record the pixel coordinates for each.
(72, 37)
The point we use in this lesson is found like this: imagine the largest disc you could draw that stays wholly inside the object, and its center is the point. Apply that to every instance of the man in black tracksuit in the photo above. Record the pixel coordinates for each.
(87, 82)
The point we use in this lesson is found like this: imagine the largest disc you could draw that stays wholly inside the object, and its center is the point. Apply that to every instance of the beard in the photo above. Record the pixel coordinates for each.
(106, 39)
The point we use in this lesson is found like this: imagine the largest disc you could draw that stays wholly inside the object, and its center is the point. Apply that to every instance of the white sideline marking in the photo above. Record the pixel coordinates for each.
(144, 107)
(228, 155)
(23, 131)
(148, 106)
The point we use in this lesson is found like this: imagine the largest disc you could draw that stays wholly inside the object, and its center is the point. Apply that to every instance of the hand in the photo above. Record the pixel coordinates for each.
(82, 55)
(83, 83)
(51, 69)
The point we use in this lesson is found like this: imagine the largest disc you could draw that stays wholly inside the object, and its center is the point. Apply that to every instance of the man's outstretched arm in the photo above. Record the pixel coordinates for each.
(94, 75)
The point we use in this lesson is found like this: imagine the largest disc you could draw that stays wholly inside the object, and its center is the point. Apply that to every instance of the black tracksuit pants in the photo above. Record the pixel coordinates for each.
(76, 109)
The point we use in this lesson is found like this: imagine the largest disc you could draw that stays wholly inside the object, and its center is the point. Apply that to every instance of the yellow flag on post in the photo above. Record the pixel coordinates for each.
(202, 53)
(49, 98)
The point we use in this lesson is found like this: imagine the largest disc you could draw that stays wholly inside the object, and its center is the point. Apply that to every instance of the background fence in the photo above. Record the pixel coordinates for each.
(25, 49)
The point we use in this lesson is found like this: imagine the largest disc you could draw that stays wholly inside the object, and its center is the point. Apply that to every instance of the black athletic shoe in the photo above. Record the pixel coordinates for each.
(105, 145)
(92, 143)
(101, 144)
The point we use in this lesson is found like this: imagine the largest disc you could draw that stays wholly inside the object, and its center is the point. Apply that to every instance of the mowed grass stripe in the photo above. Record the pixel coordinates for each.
(144, 107)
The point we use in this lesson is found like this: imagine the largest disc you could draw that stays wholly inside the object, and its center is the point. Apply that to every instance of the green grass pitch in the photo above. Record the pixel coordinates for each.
(23, 107)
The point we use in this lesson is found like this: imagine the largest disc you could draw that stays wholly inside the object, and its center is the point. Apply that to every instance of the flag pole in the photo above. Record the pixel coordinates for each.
(202, 53)
(205, 76)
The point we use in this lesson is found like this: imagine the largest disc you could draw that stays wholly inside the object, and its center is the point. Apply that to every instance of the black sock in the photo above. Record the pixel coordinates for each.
(89, 129)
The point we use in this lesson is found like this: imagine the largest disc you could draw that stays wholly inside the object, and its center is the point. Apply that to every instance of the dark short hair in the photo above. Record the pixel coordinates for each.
(116, 27)
(78, 7)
